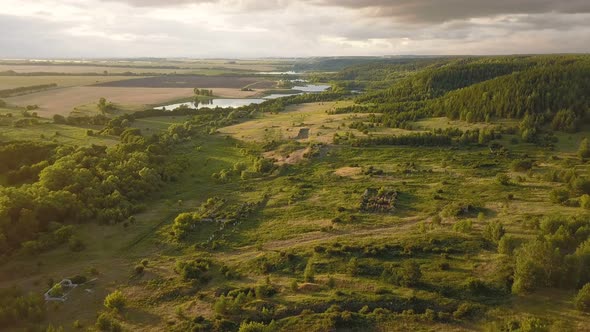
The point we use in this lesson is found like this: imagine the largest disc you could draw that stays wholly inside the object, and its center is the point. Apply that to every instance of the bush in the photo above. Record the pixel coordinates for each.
(582, 185)
(494, 231)
(309, 273)
(294, 286)
(582, 299)
(502, 179)
(194, 270)
(584, 149)
(106, 322)
(585, 201)
(409, 273)
(116, 300)
(521, 165)
(138, 269)
(559, 196)
(76, 244)
(463, 226)
(78, 279)
(507, 244)
(465, 310)
(257, 327)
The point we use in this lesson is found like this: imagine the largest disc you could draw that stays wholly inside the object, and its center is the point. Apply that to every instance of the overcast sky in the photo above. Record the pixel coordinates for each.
(268, 28)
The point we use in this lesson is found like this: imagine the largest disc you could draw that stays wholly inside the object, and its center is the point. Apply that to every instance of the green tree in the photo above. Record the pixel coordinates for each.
(584, 149)
(582, 299)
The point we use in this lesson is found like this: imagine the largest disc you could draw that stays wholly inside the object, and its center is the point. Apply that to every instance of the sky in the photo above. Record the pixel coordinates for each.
(285, 28)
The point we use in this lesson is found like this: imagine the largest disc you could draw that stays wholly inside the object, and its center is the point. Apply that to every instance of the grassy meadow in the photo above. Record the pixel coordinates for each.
(253, 219)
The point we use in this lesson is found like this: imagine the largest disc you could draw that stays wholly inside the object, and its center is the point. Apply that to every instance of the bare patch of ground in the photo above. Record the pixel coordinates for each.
(303, 133)
(348, 171)
(292, 158)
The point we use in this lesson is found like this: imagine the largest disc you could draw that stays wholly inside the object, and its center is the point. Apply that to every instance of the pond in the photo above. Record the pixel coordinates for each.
(239, 102)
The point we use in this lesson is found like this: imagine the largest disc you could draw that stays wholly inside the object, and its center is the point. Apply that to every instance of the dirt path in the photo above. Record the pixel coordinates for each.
(310, 239)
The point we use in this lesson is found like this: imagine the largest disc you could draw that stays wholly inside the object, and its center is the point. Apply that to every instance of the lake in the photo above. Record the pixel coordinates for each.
(239, 102)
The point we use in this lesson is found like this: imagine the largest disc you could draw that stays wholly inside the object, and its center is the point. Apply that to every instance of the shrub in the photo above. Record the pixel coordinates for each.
(352, 267)
(585, 201)
(106, 322)
(331, 282)
(409, 273)
(436, 220)
(584, 149)
(443, 266)
(294, 286)
(494, 231)
(507, 244)
(194, 270)
(115, 300)
(309, 273)
(502, 179)
(463, 226)
(257, 327)
(465, 310)
(78, 279)
(559, 196)
(582, 299)
(138, 269)
(56, 291)
(521, 165)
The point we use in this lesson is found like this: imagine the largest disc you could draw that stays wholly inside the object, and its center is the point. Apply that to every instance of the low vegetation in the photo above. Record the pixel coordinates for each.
(429, 202)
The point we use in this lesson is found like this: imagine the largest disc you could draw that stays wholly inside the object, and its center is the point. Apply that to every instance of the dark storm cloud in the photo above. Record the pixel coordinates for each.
(408, 11)
(437, 11)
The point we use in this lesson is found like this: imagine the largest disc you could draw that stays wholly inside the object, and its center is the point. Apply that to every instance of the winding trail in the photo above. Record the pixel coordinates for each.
(310, 239)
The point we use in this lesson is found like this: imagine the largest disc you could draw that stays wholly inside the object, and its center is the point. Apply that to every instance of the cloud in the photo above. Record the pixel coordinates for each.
(438, 11)
(251, 28)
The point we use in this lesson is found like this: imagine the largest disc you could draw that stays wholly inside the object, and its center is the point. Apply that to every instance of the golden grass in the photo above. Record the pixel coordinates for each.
(63, 101)
(322, 126)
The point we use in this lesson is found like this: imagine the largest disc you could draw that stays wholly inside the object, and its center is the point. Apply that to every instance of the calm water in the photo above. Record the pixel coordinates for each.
(239, 102)
(278, 73)
(312, 88)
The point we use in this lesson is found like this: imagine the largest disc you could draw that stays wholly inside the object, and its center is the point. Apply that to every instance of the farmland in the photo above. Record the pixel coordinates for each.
(64, 101)
(79, 86)
(210, 82)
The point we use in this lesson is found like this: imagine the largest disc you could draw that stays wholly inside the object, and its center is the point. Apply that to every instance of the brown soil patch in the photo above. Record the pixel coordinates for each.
(293, 158)
(309, 287)
(348, 171)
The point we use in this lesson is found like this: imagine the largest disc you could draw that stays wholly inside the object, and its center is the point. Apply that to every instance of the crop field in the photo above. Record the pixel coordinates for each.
(9, 82)
(210, 82)
(64, 101)
(205, 67)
